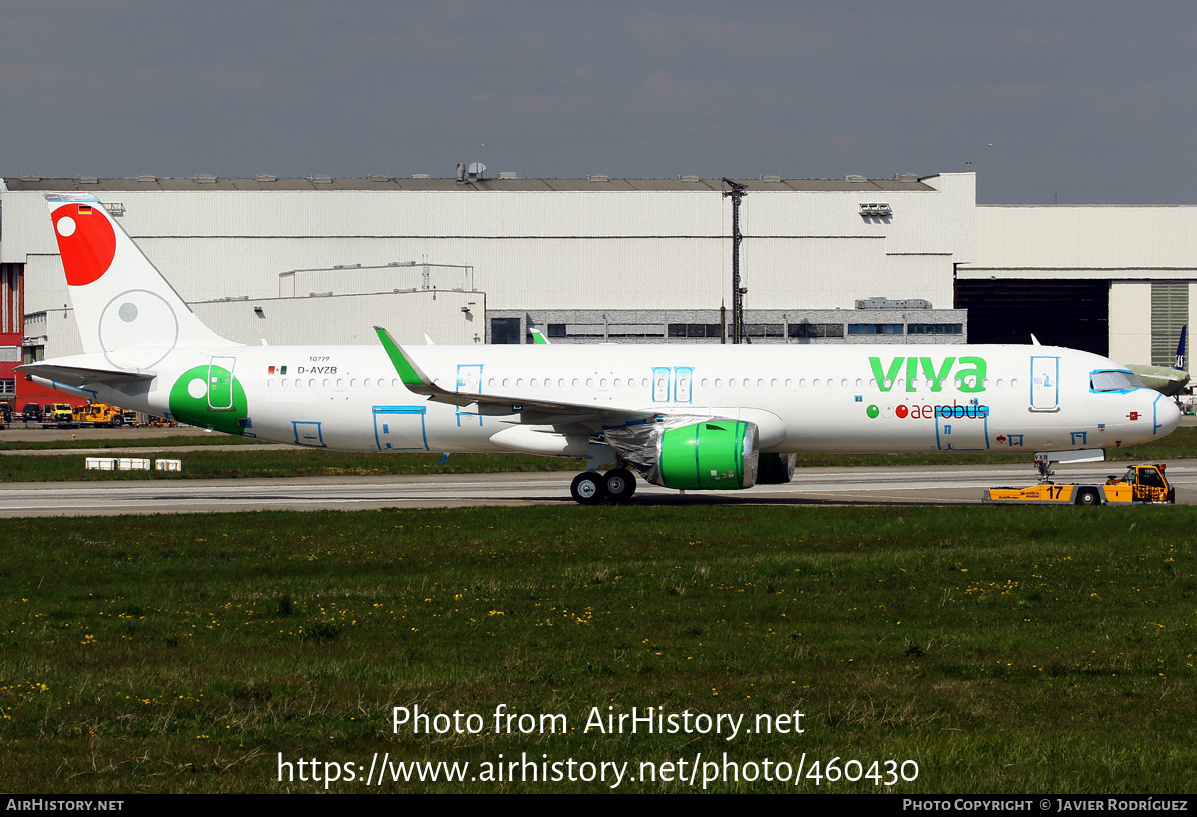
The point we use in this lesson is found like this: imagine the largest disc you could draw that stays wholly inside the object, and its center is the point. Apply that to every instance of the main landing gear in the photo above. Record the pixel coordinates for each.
(592, 487)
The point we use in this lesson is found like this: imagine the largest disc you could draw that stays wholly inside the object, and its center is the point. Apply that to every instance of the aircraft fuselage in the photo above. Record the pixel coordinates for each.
(842, 398)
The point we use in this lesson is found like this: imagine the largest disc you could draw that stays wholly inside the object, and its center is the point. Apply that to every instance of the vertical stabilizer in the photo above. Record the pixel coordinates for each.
(1180, 350)
(124, 307)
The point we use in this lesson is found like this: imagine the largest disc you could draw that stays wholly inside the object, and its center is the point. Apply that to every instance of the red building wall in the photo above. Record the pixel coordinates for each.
(12, 330)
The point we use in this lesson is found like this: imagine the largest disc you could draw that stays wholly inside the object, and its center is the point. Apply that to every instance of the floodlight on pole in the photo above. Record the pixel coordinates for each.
(737, 193)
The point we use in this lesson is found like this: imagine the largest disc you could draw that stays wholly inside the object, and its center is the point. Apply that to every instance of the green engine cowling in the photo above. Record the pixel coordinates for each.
(708, 454)
(716, 455)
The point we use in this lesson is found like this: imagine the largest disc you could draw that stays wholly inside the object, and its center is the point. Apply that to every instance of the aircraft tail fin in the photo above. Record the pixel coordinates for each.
(1180, 350)
(125, 309)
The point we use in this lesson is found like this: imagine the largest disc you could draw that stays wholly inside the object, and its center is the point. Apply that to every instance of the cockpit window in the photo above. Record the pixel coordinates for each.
(1117, 380)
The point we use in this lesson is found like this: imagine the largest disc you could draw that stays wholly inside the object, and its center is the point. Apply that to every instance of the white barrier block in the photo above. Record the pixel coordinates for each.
(133, 464)
(99, 464)
(168, 465)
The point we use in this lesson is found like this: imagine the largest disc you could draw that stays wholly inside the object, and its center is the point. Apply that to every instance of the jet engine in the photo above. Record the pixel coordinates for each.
(690, 453)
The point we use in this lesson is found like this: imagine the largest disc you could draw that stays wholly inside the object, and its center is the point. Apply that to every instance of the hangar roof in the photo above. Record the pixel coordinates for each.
(909, 182)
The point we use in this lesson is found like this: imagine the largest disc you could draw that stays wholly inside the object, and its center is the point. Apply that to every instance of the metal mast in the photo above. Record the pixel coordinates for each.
(737, 193)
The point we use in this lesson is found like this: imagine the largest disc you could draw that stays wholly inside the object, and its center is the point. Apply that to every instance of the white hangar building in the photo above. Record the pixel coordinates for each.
(599, 259)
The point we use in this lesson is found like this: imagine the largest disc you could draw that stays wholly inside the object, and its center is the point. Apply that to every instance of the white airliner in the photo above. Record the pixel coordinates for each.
(683, 416)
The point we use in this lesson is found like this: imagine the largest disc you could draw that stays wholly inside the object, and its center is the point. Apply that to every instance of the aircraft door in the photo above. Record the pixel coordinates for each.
(220, 383)
(1045, 389)
(469, 378)
(962, 428)
(661, 378)
(400, 428)
(307, 433)
(469, 381)
(685, 375)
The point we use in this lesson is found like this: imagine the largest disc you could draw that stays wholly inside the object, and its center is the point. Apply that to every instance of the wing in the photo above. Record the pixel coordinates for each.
(534, 411)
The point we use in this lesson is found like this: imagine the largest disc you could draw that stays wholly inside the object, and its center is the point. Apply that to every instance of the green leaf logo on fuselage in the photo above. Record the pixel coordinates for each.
(210, 397)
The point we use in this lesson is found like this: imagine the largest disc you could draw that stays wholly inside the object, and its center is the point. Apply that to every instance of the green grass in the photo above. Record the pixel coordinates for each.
(125, 442)
(286, 461)
(281, 462)
(1002, 649)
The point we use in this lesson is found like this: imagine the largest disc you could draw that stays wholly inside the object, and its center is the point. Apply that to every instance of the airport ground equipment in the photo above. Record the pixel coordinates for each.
(90, 415)
(58, 415)
(1139, 485)
(102, 415)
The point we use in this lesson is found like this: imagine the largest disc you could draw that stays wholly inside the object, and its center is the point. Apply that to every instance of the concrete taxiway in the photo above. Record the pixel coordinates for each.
(912, 485)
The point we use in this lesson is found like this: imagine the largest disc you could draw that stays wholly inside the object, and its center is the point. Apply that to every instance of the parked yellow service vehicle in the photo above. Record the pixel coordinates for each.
(58, 415)
(100, 414)
(1140, 484)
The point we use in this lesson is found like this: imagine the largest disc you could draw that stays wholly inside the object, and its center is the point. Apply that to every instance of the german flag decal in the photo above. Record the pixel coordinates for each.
(84, 210)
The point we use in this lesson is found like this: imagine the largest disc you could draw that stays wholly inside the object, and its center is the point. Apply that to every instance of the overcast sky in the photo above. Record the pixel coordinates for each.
(1090, 101)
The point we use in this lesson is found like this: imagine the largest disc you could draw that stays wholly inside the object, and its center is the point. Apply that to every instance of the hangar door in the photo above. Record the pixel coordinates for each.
(1075, 314)
(1169, 312)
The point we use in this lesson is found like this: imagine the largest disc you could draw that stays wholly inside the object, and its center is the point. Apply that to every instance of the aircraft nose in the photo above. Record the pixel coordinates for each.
(1167, 416)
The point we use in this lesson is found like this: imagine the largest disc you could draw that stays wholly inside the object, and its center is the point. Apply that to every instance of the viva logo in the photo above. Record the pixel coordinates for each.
(210, 397)
(970, 371)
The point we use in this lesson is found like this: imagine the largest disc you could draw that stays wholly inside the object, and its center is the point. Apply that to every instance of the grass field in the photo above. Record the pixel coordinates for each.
(123, 442)
(1000, 649)
(288, 461)
(280, 462)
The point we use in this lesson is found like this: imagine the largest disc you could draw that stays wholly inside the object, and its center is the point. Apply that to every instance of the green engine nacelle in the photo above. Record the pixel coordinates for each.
(710, 455)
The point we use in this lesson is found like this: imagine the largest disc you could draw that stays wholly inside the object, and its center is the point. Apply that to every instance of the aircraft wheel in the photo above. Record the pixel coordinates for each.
(1088, 496)
(620, 484)
(775, 469)
(588, 488)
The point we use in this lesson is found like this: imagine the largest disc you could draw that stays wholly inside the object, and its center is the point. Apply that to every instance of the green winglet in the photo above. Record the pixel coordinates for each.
(409, 373)
(538, 337)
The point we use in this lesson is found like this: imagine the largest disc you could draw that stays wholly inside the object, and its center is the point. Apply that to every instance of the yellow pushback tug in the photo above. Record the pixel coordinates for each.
(1141, 484)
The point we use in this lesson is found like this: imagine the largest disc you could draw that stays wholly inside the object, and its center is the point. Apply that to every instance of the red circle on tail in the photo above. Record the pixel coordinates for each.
(89, 246)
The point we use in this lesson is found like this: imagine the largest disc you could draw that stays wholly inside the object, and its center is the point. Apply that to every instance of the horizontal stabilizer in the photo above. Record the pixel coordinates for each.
(82, 375)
